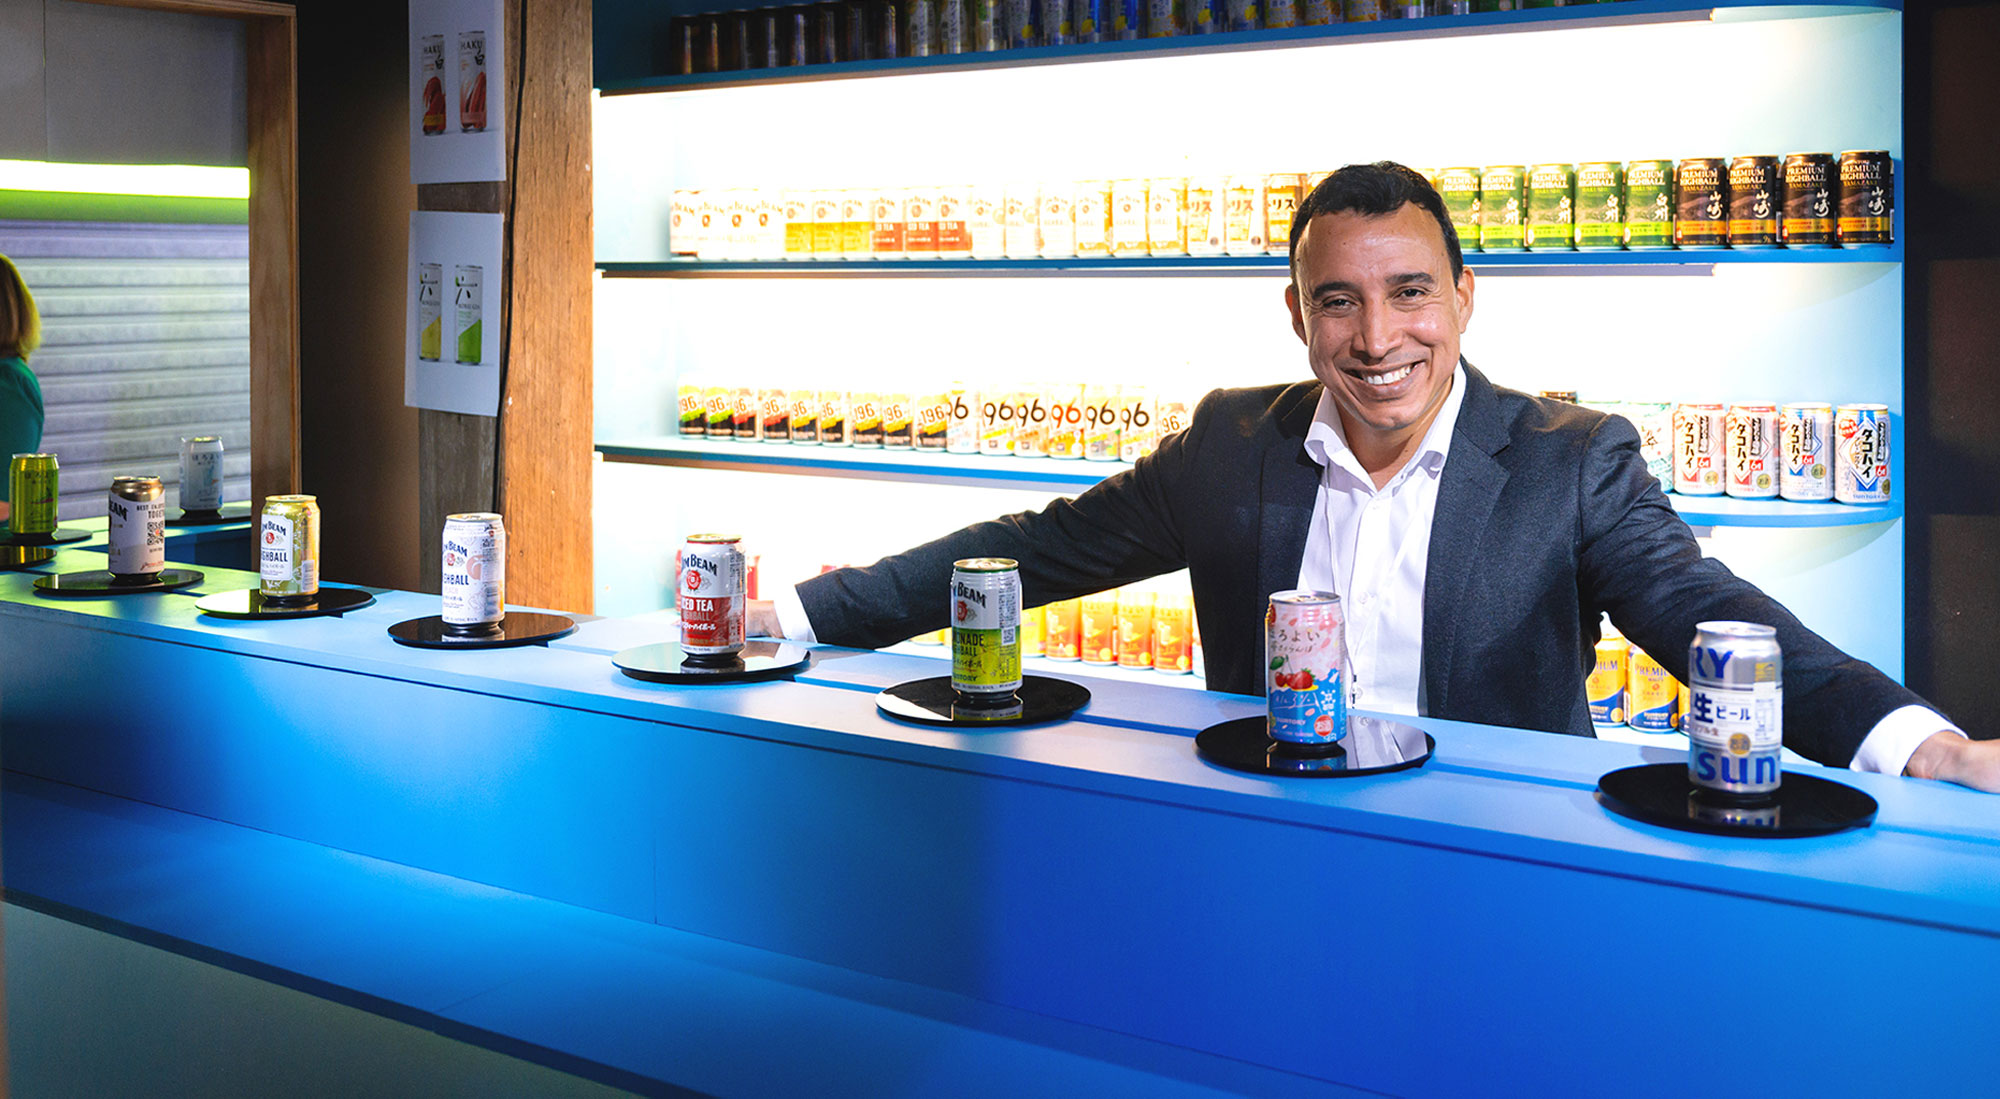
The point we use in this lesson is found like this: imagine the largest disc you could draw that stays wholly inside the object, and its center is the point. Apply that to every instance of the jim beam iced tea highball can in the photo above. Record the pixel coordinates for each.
(475, 572)
(985, 615)
(288, 550)
(201, 473)
(1751, 439)
(1735, 720)
(1305, 659)
(712, 599)
(1805, 432)
(1861, 454)
(33, 484)
(136, 539)
(1698, 450)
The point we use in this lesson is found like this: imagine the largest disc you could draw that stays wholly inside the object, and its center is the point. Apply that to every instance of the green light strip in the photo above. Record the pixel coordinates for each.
(158, 180)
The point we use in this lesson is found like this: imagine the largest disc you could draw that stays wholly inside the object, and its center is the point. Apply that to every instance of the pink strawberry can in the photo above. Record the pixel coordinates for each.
(1305, 652)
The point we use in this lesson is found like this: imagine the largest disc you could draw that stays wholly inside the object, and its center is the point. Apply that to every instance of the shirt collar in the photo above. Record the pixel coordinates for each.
(1326, 440)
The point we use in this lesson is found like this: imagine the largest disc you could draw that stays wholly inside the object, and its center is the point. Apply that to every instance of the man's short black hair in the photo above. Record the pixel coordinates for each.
(1373, 190)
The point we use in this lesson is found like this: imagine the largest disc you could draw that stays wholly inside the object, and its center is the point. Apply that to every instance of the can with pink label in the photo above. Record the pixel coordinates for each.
(1305, 652)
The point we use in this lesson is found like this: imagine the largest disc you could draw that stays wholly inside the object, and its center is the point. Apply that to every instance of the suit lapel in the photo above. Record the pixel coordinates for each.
(1467, 491)
(1290, 482)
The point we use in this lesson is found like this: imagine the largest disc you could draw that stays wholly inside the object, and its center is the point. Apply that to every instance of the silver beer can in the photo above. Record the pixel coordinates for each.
(136, 537)
(1735, 720)
(475, 572)
(711, 597)
(201, 473)
(1806, 432)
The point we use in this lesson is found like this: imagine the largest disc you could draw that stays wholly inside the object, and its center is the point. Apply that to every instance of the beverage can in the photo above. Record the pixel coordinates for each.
(1065, 421)
(1701, 203)
(691, 397)
(1031, 422)
(954, 235)
(34, 487)
(1652, 696)
(932, 421)
(985, 615)
(1097, 627)
(136, 532)
(1503, 200)
(475, 572)
(1735, 718)
(1305, 654)
(288, 549)
(1062, 637)
(1600, 206)
(962, 430)
(472, 81)
(1752, 451)
(1649, 204)
(986, 221)
(897, 423)
(1129, 218)
(1091, 210)
(1164, 199)
(718, 402)
(1867, 198)
(1861, 454)
(1138, 426)
(1551, 208)
(833, 425)
(1173, 634)
(1756, 200)
(1204, 223)
(774, 415)
(1698, 449)
(1806, 430)
(1100, 424)
(1282, 194)
(805, 415)
(1809, 182)
(430, 311)
(1459, 188)
(1604, 688)
(996, 422)
(468, 303)
(1032, 622)
(1056, 222)
(920, 234)
(1135, 628)
(712, 597)
(201, 473)
(1022, 218)
(886, 240)
(798, 215)
(430, 70)
(1243, 216)
(743, 412)
(1655, 423)
(866, 413)
(1242, 15)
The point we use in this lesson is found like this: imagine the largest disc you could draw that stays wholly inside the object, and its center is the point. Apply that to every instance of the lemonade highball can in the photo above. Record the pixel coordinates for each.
(288, 549)
(985, 615)
(1305, 653)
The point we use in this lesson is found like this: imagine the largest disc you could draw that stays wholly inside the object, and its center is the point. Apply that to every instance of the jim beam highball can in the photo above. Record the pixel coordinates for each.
(475, 572)
(1752, 451)
(1305, 657)
(1698, 449)
(1805, 432)
(712, 600)
(1701, 203)
(201, 473)
(1861, 454)
(1867, 198)
(1808, 221)
(33, 484)
(1649, 204)
(136, 539)
(1755, 194)
(1735, 720)
(985, 615)
(288, 549)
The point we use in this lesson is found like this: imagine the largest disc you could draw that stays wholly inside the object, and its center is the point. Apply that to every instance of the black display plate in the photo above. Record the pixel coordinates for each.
(228, 514)
(1372, 746)
(250, 603)
(665, 663)
(100, 583)
(1806, 805)
(25, 557)
(61, 536)
(519, 628)
(933, 702)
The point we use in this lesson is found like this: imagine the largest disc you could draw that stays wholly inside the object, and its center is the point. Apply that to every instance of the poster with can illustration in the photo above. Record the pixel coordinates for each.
(457, 88)
(452, 342)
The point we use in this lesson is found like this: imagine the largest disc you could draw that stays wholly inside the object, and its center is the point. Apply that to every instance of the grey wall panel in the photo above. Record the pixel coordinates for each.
(145, 339)
(24, 130)
(143, 87)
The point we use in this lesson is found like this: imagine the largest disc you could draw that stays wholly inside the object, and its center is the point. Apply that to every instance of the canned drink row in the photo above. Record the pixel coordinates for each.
(1806, 451)
(35, 484)
(1237, 215)
(1138, 626)
(1029, 420)
(1803, 200)
(1627, 687)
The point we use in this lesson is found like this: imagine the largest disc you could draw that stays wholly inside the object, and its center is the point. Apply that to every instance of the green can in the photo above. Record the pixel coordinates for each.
(1503, 201)
(1551, 208)
(1600, 206)
(1459, 187)
(32, 485)
(288, 549)
(1649, 204)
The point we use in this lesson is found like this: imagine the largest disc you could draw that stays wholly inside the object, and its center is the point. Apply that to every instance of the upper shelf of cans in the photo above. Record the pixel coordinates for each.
(1702, 210)
(852, 38)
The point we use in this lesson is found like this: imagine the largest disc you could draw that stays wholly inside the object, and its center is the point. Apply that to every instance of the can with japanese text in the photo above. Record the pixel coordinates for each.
(1459, 188)
(962, 432)
(1204, 222)
(1551, 208)
(743, 412)
(1305, 656)
(1066, 420)
(1173, 634)
(996, 422)
(920, 228)
(1867, 198)
(288, 549)
(1090, 210)
(1243, 229)
(886, 237)
(1751, 451)
(1281, 14)
(1805, 432)
(1282, 194)
(1097, 627)
(1128, 217)
(1756, 195)
(1701, 203)
(1138, 427)
(1503, 200)
(717, 402)
(1164, 19)
(897, 423)
(774, 415)
(1125, 20)
(201, 473)
(1655, 422)
(954, 233)
(1809, 182)
(864, 417)
(1604, 687)
(135, 539)
(832, 426)
(712, 598)
(33, 485)
(931, 421)
(1600, 206)
(1652, 697)
(430, 311)
(1698, 449)
(1031, 422)
(1021, 218)
(1164, 200)
(1135, 628)
(475, 573)
(1100, 423)
(805, 415)
(472, 81)
(430, 70)
(1861, 454)
(1649, 204)
(985, 616)
(1062, 638)
(691, 399)
(1735, 720)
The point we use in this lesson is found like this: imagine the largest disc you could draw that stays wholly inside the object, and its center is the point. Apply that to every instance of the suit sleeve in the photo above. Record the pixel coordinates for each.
(1125, 528)
(1638, 561)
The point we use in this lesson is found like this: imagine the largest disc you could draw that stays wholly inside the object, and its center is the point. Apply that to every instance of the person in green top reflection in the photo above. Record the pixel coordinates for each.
(20, 394)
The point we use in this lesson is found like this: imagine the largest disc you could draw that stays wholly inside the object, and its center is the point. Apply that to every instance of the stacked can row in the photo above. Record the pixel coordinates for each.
(882, 30)
(1131, 627)
(1627, 687)
(1805, 451)
(1803, 200)
(1096, 422)
(1242, 215)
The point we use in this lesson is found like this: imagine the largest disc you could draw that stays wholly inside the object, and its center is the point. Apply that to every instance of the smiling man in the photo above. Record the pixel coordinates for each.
(1474, 534)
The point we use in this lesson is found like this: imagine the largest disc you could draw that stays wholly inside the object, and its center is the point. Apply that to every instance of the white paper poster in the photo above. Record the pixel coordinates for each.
(452, 336)
(458, 116)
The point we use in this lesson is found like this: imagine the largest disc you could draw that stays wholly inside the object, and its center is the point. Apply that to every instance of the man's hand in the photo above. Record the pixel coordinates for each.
(763, 622)
(1948, 757)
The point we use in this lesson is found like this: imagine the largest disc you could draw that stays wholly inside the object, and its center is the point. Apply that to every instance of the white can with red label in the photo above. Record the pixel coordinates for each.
(712, 599)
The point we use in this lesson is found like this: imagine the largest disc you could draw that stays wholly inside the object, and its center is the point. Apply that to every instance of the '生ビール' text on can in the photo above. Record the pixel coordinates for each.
(475, 572)
(985, 615)
(1861, 454)
(1305, 659)
(712, 599)
(288, 549)
(1735, 719)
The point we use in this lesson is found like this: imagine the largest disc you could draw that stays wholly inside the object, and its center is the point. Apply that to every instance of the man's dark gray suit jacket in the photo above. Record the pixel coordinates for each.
(1546, 516)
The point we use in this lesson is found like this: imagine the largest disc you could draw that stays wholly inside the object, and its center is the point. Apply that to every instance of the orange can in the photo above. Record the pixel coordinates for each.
(1099, 626)
(1135, 628)
(1173, 634)
(1062, 637)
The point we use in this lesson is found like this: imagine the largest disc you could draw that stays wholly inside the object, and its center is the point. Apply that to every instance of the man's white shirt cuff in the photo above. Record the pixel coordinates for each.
(1890, 744)
(792, 619)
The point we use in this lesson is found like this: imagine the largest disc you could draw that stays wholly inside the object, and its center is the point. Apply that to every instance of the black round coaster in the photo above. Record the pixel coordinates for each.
(933, 702)
(519, 628)
(25, 557)
(666, 663)
(251, 603)
(210, 518)
(1372, 746)
(101, 583)
(1805, 805)
(61, 536)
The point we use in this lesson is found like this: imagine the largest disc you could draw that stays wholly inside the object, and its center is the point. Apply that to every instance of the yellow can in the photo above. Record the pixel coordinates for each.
(1062, 637)
(1128, 218)
(1282, 194)
(1243, 216)
(1605, 689)
(798, 225)
(1164, 233)
(826, 235)
(1173, 634)
(1092, 211)
(1098, 625)
(1652, 696)
(1135, 628)
(1033, 621)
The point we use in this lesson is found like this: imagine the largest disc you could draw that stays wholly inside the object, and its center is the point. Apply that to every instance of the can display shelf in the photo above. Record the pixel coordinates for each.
(1075, 476)
(1663, 261)
(1616, 13)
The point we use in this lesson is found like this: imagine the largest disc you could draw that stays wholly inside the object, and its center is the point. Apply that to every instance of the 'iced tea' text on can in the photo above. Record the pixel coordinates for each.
(712, 599)
(985, 614)
(33, 484)
(1551, 208)
(201, 473)
(1755, 191)
(475, 572)
(1652, 697)
(288, 549)
(1649, 204)
(1503, 198)
(1809, 182)
(136, 537)
(1867, 198)
(1735, 719)
(1305, 656)
(1698, 449)
(1751, 451)
(1701, 203)
(1861, 454)
(1600, 206)
(1805, 432)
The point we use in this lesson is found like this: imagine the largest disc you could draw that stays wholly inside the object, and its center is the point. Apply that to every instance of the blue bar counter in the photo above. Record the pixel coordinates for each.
(772, 889)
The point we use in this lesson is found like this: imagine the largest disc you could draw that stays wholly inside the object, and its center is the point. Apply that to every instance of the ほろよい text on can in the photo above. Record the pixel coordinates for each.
(1305, 659)
(1735, 719)
(985, 615)
(475, 572)
(288, 549)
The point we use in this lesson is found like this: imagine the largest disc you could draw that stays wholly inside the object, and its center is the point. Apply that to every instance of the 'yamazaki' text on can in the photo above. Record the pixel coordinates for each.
(1698, 449)
(1305, 656)
(1752, 451)
(1735, 720)
(33, 484)
(1649, 204)
(1805, 432)
(288, 549)
(985, 613)
(136, 537)
(711, 597)
(1755, 194)
(475, 572)
(1808, 220)
(1861, 454)
(1867, 198)
(201, 473)
(1701, 203)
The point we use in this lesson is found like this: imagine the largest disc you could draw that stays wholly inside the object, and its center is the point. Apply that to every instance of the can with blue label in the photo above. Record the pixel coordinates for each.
(1305, 651)
(1861, 454)
(1243, 15)
(1203, 16)
(1735, 719)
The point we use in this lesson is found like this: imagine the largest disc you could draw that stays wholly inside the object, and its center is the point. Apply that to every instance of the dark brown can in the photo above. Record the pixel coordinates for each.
(1701, 203)
(1809, 201)
(1754, 200)
(1867, 197)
